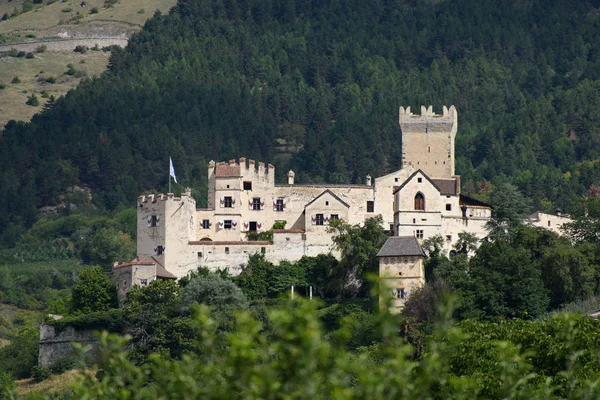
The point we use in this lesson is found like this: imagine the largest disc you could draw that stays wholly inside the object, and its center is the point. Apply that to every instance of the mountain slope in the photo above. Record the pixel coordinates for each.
(315, 86)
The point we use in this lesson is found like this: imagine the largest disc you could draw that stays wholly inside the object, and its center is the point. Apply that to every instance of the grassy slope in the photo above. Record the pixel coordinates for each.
(47, 21)
(13, 97)
(56, 384)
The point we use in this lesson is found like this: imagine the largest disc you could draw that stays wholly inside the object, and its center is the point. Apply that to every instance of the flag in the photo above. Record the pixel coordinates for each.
(172, 170)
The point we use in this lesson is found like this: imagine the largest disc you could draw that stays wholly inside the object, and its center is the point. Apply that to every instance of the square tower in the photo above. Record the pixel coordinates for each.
(428, 140)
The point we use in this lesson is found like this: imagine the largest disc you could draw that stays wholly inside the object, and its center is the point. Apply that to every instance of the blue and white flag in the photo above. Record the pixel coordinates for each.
(172, 170)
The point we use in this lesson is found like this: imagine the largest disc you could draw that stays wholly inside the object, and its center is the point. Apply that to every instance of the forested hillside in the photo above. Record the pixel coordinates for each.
(315, 86)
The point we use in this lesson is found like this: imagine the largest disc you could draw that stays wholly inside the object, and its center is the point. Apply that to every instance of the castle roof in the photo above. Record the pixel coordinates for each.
(401, 246)
(447, 186)
(161, 272)
(224, 170)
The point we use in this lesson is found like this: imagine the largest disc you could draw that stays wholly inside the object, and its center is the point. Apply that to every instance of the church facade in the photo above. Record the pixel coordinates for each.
(421, 199)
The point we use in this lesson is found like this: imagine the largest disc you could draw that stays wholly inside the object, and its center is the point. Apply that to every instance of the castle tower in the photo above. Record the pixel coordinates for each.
(428, 140)
(165, 226)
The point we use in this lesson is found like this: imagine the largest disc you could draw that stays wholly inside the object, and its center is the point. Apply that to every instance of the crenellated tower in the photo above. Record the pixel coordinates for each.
(165, 225)
(428, 140)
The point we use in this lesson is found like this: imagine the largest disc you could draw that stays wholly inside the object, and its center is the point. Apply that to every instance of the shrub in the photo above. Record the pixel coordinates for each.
(30, 35)
(81, 49)
(2, 86)
(93, 292)
(80, 74)
(15, 80)
(141, 11)
(67, 10)
(94, 10)
(50, 79)
(27, 6)
(42, 48)
(214, 291)
(279, 224)
(29, 55)
(32, 100)
(13, 52)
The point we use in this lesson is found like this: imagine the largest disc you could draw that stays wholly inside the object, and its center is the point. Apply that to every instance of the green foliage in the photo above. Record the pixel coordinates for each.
(93, 292)
(107, 246)
(156, 321)
(262, 279)
(279, 224)
(41, 48)
(21, 355)
(260, 236)
(510, 208)
(215, 291)
(15, 80)
(33, 100)
(359, 246)
(113, 320)
(555, 358)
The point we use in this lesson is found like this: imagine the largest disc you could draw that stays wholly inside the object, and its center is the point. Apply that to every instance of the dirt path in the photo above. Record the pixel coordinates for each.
(65, 44)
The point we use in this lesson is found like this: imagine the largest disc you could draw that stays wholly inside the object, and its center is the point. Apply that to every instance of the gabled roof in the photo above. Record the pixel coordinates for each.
(413, 175)
(447, 186)
(401, 246)
(332, 194)
(161, 272)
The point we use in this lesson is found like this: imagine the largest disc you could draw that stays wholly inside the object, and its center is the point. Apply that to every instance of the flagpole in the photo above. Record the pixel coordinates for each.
(169, 183)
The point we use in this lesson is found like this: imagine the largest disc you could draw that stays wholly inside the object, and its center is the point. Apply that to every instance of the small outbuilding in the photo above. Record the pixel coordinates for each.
(401, 271)
(138, 272)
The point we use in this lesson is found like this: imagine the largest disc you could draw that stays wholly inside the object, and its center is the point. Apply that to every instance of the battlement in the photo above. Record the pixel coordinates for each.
(154, 198)
(244, 168)
(406, 115)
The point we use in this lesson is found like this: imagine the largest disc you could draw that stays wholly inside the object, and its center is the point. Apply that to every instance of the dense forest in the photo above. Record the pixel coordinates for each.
(315, 86)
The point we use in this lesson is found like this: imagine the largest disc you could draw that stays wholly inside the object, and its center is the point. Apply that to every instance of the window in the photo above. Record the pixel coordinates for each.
(226, 250)
(370, 206)
(448, 207)
(252, 227)
(319, 219)
(160, 250)
(334, 216)
(153, 221)
(419, 234)
(247, 185)
(228, 202)
(396, 179)
(124, 283)
(256, 203)
(414, 220)
(549, 223)
(419, 180)
(227, 186)
(143, 282)
(326, 203)
(398, 293)
(448, 238)
(199, 254)
(227, 224)
(279, 205)
(428, 147)
(420, 202)
(206, 224)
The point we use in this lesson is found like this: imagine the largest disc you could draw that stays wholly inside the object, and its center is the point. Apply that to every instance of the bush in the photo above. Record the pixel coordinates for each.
(42, 48)
(94, 10)
(50, 80)
(214, 291)
(13, 52)
(31, 35)
(21, 54)
(29, 55)
(81, 49)
(32, 100)
(2, 86)
(93, 292)
(27, 6)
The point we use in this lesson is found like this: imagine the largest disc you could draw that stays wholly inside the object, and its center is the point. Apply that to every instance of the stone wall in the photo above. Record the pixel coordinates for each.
(55, 346)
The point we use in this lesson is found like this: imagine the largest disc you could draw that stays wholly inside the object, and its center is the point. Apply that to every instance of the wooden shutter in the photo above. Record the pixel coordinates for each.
(222, 202)
(313, 218)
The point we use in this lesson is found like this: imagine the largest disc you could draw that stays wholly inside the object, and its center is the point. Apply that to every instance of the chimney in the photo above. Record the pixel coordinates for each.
(291, 175)
(368, 180)
(188, 191)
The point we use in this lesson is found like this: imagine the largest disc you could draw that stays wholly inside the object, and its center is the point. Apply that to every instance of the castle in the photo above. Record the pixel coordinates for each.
(420, 200)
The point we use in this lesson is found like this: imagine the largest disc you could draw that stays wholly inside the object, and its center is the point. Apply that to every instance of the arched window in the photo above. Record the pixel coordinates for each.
(420, 202)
